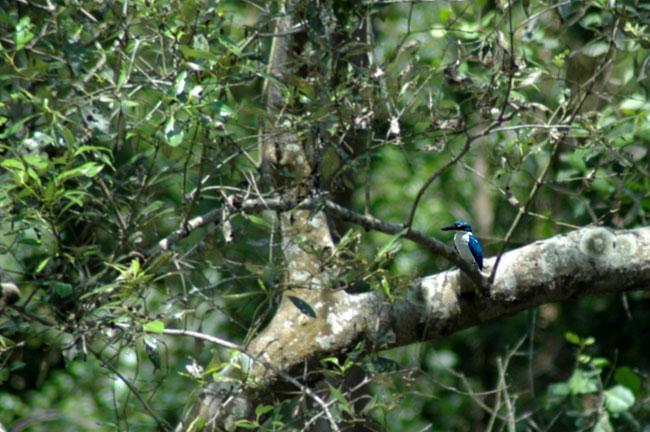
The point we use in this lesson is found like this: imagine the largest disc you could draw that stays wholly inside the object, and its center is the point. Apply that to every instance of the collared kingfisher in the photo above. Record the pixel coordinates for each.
(467, 245)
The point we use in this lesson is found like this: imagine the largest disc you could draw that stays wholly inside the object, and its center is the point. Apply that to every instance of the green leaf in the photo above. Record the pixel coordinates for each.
(625, 377)
(222, 110)
(468, 30)
(382, 365)
(108, 288)
(391, 247)
(174, 132)
(619, 399)
(259, 221)
(42, 265)
(600, 363)
(385, 286)
(75, 197)
(13, 164)
(438, 33)
(559, 390)
(24, 33)
(632, 104)
(156, 326)
(30, 241)
(582, 383)
(572, 338)
(343, 404)
(595, 49)
(88, 148)
(179, 85)
(602, 185)
(261, 73)
(576, 160)
(247, 424)
(324, 362)
(89, 169)
(95, 119)
(62, 289)
(603, 424)
(230, 45)
(18, 365)
(591, 20)
(261, 410)
(303, 306)
(67, 135)
(34, 175)
(444, 14)
(39, 162)
(191, 52)
(634, 152)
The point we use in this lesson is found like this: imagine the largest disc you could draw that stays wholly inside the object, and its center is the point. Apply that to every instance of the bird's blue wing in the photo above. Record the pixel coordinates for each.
(475, 248)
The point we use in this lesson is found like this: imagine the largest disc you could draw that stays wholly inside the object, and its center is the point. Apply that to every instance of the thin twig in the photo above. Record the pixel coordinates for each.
(523, 210)
(367, 221)
(568, 120)
(532, 126)
(430, 180)
(162, 423)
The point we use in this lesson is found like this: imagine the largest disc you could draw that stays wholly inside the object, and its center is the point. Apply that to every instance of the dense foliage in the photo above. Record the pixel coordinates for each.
(121, 121)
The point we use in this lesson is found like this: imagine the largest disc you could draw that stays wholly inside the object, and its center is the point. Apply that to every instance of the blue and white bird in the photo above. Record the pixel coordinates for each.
(467, 245)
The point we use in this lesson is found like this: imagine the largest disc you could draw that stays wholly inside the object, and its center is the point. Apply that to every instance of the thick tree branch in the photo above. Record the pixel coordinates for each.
(581, 263)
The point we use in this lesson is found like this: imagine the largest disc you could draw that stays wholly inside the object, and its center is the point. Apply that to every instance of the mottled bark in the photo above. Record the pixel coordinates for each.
(581, 263)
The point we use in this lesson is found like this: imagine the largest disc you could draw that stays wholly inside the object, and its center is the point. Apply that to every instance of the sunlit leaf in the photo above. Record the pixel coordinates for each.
(89, 169)
(632, 104)
(174, 132)
(42, 264)
(619, 399)
(634, 152)
(156, 326)
(95, 119)
(24, 32)
(582, 383)
(194, 53)
(222, 109)
(179, 85)
(12, 163)
(260, 221)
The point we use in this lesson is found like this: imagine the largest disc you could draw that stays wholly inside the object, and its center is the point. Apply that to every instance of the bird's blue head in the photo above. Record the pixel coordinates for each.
(459, 225)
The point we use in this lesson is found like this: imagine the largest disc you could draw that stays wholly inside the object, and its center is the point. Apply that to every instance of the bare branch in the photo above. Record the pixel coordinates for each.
(369, 222)
(162, 423)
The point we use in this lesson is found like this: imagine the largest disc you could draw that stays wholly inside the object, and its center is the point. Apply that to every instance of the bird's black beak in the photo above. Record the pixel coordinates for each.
(449, 228)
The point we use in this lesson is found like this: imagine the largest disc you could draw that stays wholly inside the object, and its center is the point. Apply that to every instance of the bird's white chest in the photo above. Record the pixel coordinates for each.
(461, 240)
